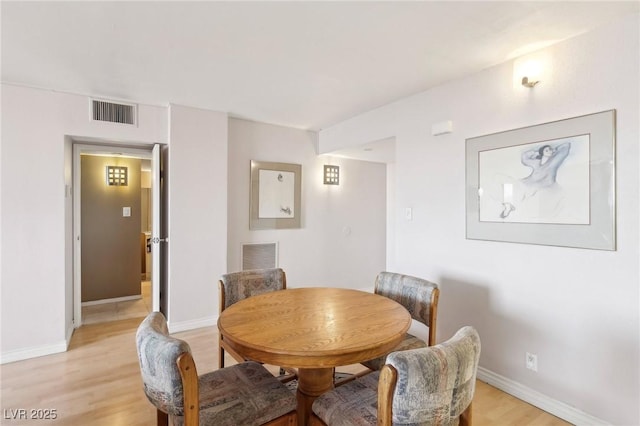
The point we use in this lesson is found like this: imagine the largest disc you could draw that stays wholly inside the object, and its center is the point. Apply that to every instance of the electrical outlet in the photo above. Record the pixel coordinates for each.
(531, 362)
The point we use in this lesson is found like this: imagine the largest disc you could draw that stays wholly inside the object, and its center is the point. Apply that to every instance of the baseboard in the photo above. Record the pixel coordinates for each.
(34, 352)
(557, 408)
(22, 354)
(70, 329)
(176, 327)
(112, 300)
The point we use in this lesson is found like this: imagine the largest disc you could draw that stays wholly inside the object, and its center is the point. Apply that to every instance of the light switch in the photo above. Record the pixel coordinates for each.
(408, 213)
(126, 211)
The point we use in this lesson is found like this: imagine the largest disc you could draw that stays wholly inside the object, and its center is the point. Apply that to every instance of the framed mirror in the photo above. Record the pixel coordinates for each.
(275, 195)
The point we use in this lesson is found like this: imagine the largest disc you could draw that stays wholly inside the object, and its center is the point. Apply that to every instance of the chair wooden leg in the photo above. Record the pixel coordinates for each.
(163, 418)
(465, 417)
(221, 358)
(287, 377)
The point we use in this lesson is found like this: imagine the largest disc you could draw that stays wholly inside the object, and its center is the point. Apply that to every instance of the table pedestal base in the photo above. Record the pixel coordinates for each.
(312, 382)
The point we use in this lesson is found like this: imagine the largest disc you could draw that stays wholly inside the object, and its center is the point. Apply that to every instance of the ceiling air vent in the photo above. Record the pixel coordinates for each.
(113, 112)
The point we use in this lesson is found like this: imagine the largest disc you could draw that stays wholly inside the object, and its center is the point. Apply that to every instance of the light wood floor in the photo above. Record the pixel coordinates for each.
(115, 311)
(97, 382)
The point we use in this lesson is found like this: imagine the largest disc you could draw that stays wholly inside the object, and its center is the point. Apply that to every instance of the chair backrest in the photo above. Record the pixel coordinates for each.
(237, 286)
(417, 295)
(158, 354)
(444, 390)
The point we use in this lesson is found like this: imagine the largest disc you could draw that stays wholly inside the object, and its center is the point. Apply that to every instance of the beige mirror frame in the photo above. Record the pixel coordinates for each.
(275, 195)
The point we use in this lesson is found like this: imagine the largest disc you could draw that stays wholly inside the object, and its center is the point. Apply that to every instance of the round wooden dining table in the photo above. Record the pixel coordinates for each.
(314, 330)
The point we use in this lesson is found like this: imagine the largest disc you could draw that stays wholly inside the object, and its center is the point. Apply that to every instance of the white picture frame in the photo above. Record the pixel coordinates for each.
(549, 184)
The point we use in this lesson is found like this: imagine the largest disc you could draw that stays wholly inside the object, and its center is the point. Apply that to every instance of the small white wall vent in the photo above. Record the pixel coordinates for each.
(259, 256)
(113, 112)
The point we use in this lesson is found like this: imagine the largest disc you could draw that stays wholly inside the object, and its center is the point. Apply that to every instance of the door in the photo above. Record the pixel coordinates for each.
(158, 279)
(158, 232)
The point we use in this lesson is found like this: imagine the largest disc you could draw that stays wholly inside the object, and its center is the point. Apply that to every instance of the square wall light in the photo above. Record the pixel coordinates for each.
(331, 175)
(117, 176)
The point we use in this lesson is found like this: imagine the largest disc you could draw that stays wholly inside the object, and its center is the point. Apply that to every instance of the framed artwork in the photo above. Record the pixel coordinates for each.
(550, 184)
(275, 195)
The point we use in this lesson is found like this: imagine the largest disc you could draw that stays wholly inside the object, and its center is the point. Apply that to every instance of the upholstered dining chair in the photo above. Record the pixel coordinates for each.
(243, 394)
(423, 387)
(236, 286)
(419, 297)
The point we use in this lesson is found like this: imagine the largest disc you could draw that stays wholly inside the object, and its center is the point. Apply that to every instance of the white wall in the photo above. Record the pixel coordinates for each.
(341, 242)
(577, 309)
(38, 128)
(37, 131)
(197, 214)
(36, 249)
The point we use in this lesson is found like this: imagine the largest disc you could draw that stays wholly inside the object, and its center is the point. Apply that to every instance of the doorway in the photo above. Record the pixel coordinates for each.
(116, 210)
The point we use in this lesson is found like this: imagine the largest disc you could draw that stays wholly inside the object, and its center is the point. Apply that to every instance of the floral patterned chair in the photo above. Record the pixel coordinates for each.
(419, 387)
(419, 297)
(243, 394)
(237, 286)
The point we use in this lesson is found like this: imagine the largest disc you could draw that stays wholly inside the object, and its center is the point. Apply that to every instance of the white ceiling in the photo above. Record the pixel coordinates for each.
(301, 64)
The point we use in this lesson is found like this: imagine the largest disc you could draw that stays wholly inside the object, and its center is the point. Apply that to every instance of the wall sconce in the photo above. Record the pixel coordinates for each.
(529, 71)
(529, 83)
(117, 176)
(331, 175)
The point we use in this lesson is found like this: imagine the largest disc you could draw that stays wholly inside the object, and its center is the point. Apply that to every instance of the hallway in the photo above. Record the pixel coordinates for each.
(116, 311)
